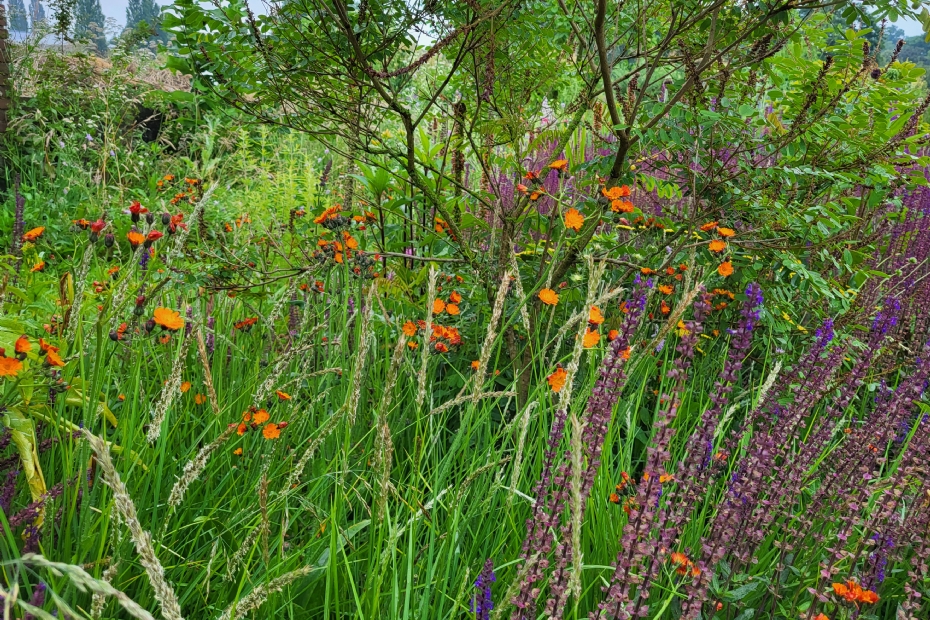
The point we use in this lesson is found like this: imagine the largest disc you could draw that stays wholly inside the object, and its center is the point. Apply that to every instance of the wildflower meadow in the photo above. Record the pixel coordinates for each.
(467, 310)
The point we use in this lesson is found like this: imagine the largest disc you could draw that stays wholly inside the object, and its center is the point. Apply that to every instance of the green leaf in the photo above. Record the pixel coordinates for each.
(741, 592)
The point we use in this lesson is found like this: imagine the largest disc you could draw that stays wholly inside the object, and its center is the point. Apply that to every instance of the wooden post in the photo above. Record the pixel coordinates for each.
(5, 93)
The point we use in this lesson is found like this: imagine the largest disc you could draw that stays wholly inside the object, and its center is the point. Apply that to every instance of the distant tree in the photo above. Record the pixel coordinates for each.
(36, 13)
(62, 18)
(88, 24)
(143, 18)
(17, 16)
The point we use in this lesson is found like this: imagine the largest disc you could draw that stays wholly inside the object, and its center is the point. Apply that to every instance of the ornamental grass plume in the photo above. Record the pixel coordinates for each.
(169, 392)
(193, 469)
(164, 593)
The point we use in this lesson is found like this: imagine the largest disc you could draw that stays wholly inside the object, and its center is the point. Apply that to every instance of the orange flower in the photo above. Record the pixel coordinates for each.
(679, 559)
(350, 241)
(246, 416)
(664, 308)
(185, 387)
(709, 226)
(22, 345)
(238, 451)
(869, 597)
(271, 431)
(847, 590)
(613, 335)
(557, 379)
(475, 364)
(614, 498)
(548, 297)
(725, 232)
(452, 309)
(34, 234)
(621, 206)
(10, 366)
(615, 192)
(282, 395)
(438, 306)
(412, 345)
(725, 269)
(441, 347)
(260, 417)
(591, 338)
(560, 164)
(38, 266)
(574, 219)
(241, 429)
(717, 245)
(455, 298)
(121, 397)
(327, 214)
(594, 316)
(135, 238)
(165, 339)
(53, 359)
(409, 328)
(169, 319)
(200, 399)
(821, 617)
(666, 289)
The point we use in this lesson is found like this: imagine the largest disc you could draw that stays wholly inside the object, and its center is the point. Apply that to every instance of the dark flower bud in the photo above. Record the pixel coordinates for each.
(165, 219)
(134, 217)
(114, 336)
(150, 325)
(138, 310)
(149, 217)
(140, 300)
(93, 237)
(109, 240)
(876, 73)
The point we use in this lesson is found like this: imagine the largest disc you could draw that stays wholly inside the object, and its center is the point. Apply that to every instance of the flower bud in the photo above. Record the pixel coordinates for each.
(149, 217)
(165, 219)
(150, 325)
(114, 336)
(109, 240)
(93, 237)
(140, 300)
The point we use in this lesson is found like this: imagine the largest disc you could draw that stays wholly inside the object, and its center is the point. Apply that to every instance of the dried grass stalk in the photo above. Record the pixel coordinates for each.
(168, 393)
(207, 375)
(384, 452)
(74, 314)
(193, 469)
(424, 346)
(362, 355)
(524, 425)
(491, 335)
(164, 593)
(254, 599)
(462, 399)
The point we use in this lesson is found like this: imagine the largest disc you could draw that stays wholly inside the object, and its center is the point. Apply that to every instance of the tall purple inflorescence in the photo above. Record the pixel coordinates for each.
(481, 602)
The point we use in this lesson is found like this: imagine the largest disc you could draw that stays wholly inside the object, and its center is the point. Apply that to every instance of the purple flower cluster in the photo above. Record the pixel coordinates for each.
(482, 604)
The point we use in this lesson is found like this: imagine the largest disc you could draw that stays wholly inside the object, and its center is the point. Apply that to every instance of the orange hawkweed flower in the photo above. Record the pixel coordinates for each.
(165, 339)
(260, 417)
(412, 345)
(574, 219)
(725, 232)
(557, 379)
(38, 266)
(409, 328)
(560, 164)
(594, 316)
(717, 245)
(625, 354)
(869, 597)
(327, 214)
(452, 309)
(455, 298)
(271, 431)
(666, 289)
(821, 617)
(664, 307)
(168, 319)
(725, 269)
(438, 306)
(709, 226)
(614, 498)
(185, 387)
(135, 238)
(615, 192)
(34, 234)
(591, 338)
(621, 206)
(241, 429)
(238, 451)
(475, 364)
(199, 399)
(10, 366)
(282, 395)
(441, 347)
(548, 297)
(613, 335)
(22, 345)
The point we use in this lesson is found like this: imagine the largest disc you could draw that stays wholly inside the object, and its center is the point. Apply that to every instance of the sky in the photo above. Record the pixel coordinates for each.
(117, 10)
